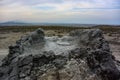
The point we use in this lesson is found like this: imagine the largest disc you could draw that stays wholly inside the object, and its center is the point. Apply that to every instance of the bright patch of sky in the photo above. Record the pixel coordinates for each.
(61, 11)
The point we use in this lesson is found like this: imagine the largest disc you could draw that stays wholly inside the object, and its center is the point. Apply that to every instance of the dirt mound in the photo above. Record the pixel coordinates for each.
(83, 55)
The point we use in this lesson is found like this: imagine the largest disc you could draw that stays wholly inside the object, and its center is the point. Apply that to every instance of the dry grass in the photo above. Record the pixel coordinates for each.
(9, 34)
(58, 29)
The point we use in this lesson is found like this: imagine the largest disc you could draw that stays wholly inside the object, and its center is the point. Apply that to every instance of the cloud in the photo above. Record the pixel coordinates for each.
(66, 4)
(79, 11)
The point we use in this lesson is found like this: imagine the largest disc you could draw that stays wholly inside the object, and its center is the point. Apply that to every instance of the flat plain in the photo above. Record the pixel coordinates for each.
(9, 35)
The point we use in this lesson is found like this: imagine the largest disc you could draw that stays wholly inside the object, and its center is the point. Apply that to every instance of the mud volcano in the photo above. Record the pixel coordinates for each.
(82, 55)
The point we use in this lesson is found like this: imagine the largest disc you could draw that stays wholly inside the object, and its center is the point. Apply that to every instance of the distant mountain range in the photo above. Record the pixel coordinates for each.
(19, 23)
(16, 23)
(13, 23)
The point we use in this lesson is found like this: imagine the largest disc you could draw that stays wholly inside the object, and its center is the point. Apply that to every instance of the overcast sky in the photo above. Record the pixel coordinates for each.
(61, 11)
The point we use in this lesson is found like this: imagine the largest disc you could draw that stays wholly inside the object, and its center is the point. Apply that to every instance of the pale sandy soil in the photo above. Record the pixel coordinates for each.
(7, 39)
(114, 43)
(3, 53)
(115, 51)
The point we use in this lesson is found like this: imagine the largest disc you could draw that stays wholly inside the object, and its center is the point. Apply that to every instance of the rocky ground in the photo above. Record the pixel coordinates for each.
(7, 39)
(80, 55)
(114, 43)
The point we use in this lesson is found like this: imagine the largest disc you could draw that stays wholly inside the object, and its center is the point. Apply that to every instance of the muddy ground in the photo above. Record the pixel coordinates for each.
(9, 38)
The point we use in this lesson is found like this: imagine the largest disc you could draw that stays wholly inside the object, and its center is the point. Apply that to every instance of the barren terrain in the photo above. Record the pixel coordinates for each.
(9, 38)
(114, 43)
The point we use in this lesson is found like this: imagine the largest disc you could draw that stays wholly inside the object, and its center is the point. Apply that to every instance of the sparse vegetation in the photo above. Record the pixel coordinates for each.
(32, 28)
(9, 34)
(58, 29)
